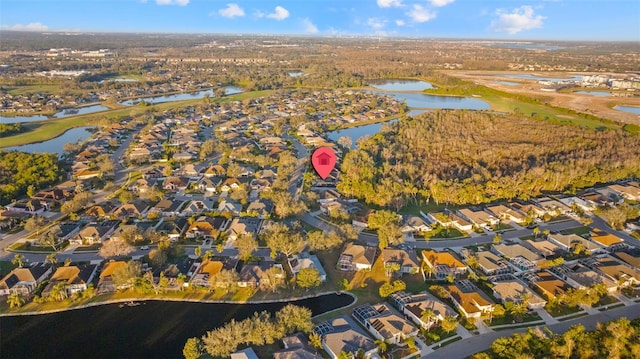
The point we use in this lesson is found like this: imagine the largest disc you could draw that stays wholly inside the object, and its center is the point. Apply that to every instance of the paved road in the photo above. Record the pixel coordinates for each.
(483, 239)
(598, 222)
(466, 347)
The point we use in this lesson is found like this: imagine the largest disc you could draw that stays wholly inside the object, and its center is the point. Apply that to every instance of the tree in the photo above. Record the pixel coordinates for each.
(319, 240)
(35, 223)
(59, 292)
(280, 238)
(382, 345)
(518, 311)
(272, 279)
(158, 258)
(18, 260)
(193, 348)
(315, 340)
(497, 238)
(346, 142)
(386, 289)
(15, 300)
(246, 245)
(308, 278)
(198, 251)
(51, 258)
(292, 318)
(390, 268)
(427, 316)
(536, 232)
(440, 291)
(499, 311)
(126, 276)
(49, 239)
(449, 324)
(115, 248)
(227, 280)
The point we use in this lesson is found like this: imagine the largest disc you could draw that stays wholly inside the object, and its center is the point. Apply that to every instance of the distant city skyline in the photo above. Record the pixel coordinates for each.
(612, 20)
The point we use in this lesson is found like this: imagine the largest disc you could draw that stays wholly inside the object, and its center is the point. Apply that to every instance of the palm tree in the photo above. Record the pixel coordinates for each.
(18, 259)
(536, 232)
(546, 233)
(51, 258)
(382, 345)
(58, 292)
(449, 324)
(518, 311)
(391, 267)
(15, 300)
(427, 316)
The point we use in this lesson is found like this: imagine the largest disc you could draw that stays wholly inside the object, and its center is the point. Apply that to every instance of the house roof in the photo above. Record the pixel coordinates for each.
(210, 267)
(513, 290)
(110, 267)
(489, 261)
(631, 259)
(400, 256)
(568, 239)
(544, 247)
(616, 270)
(442, 258)
(478, 217)
(605, 238)
(469, 299)
(423, 301)
(550, 284)
(517, 250)
(360, 254)
(247, 353)
(388, 323)
(345, 337)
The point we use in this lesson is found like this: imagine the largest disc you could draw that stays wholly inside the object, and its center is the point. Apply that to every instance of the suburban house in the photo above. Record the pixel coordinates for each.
(244, 225)
(407, 260)
(470, 300)
(255, 275)
(198, 206)
(627, 191)
(605, 239)
(206, 272)
(450, 219)
(338, 335)
(247, 353)
(519, 255)
(513, 290)
(529, 209)
(208, 184)
(230, 184)
(230, 207)
(622, 274)
(507, 214)
(544, 247)
(384, 323)
(552, 206)
(549, 285)
(174, 184)
(99, 210)
(106, 285)
(580, 276)
(632, 259)
(491, 264)
(296, 346)
(443, 264)
(25, 280)
(75, 278)
(261, 207)
(94, 233)
(355, 257)
(568, 241)
(305, 260)
(414, 225)
(133, 209)
(173, 228)
(64, 231)
(167, 208)
(413, 305)
(479, 218)
(207, 227)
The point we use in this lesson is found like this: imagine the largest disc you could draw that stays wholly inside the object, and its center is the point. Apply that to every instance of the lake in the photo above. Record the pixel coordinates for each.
(631, 109)
(55, 145)
(594, 93)
(420, 100)
(61, 114)
(356, 133)
(541, 78)
(400, 85)
(528, 46)
(230, 90)
(154, 329)
(508, 83)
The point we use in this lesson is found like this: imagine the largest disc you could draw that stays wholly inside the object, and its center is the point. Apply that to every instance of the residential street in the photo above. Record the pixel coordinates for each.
(469, 346)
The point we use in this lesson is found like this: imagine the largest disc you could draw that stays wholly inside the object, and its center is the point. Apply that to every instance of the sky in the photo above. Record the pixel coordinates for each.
(597, 20)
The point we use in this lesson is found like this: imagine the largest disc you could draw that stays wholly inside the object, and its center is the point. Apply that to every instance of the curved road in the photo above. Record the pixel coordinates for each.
(465, 347)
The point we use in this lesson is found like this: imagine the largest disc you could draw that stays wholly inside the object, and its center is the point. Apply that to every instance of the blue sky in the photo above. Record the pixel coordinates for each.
(500, 19)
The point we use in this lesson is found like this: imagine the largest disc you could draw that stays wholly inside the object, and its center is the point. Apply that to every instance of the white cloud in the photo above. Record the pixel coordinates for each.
(232, 10)
(34, 26)
(279, 14)
(376, 23)
(309, 26)
(172, 2)
(400, 22)
(440, 3)
(390, 3)
(419, 14)
(521, 18)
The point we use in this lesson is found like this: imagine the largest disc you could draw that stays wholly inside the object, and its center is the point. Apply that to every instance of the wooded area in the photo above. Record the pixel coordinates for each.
(19, 170)
(465, 157)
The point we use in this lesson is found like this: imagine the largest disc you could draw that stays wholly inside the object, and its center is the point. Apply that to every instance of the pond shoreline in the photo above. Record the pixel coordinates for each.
(168, 299)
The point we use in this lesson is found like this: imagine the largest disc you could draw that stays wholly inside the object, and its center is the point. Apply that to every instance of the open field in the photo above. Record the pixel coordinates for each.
(45, 130)
(593, 105)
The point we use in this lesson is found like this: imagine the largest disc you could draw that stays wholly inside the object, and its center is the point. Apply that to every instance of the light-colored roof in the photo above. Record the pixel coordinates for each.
(568, 239)
(360, 254)
(489, 261)
(478, 217)
(442, 258)
(629, 258)
(388, 323)
(346, 338)
(545, 247)
(65, 274)
(517, 250)
(400, 256)
(513, 290)
(616, 269)
(423, 301)
(551, 284)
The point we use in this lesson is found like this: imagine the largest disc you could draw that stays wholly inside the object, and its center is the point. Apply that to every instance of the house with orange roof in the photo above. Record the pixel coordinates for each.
(472, 302)
(550, 285)
(443, 264)
(605, 239)
(206, 272)
(106, 285)
(75, 278)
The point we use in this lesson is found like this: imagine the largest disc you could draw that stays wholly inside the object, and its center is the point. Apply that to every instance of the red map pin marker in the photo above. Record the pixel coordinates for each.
(323, 160)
